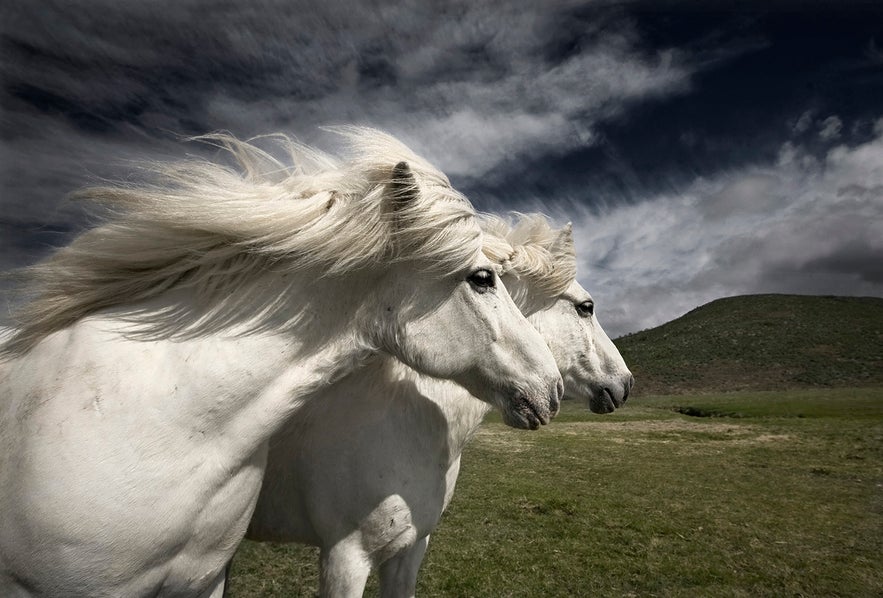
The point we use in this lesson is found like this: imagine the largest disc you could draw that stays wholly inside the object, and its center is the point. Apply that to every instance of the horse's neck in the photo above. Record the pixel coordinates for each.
(297, 382)
(243, 381)
(384, 389)
(462, 411)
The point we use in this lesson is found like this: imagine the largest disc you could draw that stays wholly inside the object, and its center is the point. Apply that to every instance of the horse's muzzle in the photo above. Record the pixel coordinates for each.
(531, 413)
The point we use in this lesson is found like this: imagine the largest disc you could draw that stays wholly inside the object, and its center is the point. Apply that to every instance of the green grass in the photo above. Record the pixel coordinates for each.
(764, 494)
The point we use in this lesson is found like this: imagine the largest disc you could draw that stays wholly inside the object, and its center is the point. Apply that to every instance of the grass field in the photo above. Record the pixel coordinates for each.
(743, 494)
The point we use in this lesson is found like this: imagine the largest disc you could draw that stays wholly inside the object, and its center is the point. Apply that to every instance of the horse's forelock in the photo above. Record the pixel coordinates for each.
(531, 250)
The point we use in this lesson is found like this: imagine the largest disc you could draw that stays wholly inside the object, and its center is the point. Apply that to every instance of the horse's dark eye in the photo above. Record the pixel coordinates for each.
(585, 309)
(482, 280)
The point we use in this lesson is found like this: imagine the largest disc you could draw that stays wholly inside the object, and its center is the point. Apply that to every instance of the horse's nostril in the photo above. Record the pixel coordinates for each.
(555, 396)
(628, 388)
(625, 392)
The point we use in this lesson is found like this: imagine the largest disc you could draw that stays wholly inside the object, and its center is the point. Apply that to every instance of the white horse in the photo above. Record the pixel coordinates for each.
(367, 471)
(160, 350)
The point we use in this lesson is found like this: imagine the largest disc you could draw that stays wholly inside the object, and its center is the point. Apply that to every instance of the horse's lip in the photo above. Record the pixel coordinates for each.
(602, 402)
(525, 413)
(521, 420)
(534, 417)
(533, 422)
(543, 417)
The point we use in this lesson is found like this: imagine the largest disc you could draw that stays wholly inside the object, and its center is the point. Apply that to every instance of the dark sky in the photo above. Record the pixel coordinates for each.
(701, 149)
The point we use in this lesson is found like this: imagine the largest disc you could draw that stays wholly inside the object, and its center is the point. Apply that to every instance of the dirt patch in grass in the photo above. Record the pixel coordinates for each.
(774, 438)
(503, 438)
(667, 425)
(630, 432)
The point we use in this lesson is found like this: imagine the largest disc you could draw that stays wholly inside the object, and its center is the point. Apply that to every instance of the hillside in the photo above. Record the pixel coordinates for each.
(761, 342)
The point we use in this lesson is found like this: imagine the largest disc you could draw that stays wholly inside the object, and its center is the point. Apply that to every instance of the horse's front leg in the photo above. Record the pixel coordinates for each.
(398, 574)
(344, 570)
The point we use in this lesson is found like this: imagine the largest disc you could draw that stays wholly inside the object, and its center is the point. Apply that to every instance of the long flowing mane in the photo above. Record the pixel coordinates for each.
(213, 228)
(533, 251)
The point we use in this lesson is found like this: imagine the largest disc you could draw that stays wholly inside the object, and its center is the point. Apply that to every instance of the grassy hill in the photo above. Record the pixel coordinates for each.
(761, 342)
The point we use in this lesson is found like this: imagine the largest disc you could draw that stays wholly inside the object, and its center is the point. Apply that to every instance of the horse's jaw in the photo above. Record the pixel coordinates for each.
(520, 408)
(480, 341)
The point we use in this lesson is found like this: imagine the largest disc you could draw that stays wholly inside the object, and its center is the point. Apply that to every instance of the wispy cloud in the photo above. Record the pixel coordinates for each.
(563, 106)
(830, 128)
(802, 224)
(90, 85)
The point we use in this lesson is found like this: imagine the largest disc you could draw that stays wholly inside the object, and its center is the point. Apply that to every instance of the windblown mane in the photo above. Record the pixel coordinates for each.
(531, 250)
(214, 228)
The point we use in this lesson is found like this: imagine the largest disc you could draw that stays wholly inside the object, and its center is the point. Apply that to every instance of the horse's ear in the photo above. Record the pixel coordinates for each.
(402, 186)
(563, 244)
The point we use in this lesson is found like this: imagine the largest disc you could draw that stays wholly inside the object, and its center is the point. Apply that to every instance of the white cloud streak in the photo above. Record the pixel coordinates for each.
(480, 88)
(474, 91)
(470, 85)
(830, 128)
(802, 225)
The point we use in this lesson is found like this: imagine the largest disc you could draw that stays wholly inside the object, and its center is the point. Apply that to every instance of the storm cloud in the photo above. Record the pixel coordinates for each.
(696, 156)
(798, 225)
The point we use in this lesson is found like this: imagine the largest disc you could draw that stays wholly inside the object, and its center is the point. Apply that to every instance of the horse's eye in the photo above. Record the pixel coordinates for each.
(482, 280)
(585, 309)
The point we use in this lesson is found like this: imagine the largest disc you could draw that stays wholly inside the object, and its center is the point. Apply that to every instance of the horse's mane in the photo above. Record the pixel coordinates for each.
(214, 228)
(533, 251)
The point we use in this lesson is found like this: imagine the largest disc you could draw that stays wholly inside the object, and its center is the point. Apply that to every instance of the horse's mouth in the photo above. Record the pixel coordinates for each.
(525, 414)
(602, 402)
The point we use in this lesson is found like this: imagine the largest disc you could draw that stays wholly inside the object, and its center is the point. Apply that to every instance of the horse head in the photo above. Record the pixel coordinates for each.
(592, 367)
(458, 322)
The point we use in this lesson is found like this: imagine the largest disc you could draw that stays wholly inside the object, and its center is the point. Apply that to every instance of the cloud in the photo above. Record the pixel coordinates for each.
(873, 53)
(803, 122)
(484, 89)
(752, 193)
(830, 128)
(90, 87)
(799, 225)
(480, 89)
(251, 67)
(855, 259)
